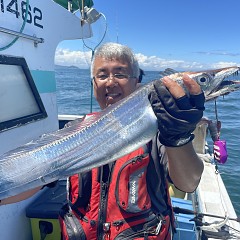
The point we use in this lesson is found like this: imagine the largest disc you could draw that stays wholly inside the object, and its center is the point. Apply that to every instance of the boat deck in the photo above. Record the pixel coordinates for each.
(213, 199)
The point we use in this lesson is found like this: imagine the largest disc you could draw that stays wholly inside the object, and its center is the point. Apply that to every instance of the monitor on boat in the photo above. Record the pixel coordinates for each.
(20, 102)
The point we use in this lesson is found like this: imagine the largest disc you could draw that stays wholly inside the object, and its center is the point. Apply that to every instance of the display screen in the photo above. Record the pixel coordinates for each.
(20, 102)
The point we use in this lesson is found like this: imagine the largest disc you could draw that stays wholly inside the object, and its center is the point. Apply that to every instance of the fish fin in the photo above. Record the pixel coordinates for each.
(167, 71)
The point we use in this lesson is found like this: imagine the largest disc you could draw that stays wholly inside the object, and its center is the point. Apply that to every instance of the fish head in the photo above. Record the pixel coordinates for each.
(210, 80)
(213, 82)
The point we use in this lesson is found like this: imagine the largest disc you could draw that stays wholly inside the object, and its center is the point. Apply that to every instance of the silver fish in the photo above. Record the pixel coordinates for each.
(214, 83)
(100, 139)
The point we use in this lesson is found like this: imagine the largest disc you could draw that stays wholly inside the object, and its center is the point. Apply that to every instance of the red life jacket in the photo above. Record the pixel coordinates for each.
(115, 207)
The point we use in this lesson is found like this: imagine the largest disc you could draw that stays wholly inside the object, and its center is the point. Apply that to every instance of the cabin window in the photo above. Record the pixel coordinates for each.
(20, 102)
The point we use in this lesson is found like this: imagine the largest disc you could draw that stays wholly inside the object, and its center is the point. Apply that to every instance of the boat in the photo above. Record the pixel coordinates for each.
(29, 34)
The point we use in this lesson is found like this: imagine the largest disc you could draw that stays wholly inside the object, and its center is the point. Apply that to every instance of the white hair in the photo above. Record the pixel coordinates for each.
(117, 51)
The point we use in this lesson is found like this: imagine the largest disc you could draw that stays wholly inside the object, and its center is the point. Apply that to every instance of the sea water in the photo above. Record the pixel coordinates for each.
(74, 96)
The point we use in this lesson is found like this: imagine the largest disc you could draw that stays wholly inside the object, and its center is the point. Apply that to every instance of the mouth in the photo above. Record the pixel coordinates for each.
(112, 95)
(112, 98)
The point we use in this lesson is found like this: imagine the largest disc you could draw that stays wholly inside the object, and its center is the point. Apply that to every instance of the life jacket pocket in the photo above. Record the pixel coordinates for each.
(131, 186)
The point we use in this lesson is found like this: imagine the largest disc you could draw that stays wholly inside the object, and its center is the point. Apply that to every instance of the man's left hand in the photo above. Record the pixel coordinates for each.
(176, 112)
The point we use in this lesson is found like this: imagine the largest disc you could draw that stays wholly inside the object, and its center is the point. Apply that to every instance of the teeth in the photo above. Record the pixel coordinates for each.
(236, 73)
(112, 94)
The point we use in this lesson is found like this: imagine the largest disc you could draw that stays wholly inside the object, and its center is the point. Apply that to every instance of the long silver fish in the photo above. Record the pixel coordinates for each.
(214, 83)
(100, 139)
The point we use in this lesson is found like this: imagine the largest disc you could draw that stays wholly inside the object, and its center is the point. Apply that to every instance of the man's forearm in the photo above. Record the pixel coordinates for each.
(185, 167)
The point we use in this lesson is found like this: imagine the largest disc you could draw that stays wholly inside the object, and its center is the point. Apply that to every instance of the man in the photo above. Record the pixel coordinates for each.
(128, 199)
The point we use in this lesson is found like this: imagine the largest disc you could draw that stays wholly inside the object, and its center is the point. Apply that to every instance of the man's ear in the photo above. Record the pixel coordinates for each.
(136, 81)
(93, 85)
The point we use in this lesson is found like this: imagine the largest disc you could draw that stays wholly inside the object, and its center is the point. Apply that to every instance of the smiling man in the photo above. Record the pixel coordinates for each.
(128, 198)
(114, 79)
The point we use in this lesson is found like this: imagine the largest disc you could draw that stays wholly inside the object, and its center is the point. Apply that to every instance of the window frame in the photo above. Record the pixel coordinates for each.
(17, 122)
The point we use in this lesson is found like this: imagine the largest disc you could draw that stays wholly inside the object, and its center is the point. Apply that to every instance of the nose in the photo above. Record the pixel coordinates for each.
(111, 82)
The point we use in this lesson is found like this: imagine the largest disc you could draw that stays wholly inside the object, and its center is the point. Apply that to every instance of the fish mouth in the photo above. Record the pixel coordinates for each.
(227, 72)
(223, 82)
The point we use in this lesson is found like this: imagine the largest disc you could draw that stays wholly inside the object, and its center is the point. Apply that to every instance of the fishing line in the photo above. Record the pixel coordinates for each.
(221, 195)
(216, 165)
(217, 120)
(104, 33)
(200, 214)
(92, 48)
(215, 109)
(234, 229)
(103, 36)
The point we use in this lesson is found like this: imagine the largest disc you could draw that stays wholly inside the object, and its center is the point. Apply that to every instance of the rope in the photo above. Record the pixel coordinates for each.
(91, 96)
(21, 30)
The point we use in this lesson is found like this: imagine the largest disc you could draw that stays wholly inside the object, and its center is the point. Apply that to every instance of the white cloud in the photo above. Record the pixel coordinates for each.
(224, 64)
(81, 59)
(66, 57)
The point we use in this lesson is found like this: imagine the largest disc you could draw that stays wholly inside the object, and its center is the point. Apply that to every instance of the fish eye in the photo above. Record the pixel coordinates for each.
(203, 80)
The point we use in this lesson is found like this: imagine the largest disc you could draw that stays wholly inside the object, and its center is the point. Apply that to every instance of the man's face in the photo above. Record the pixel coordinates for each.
(109, 89)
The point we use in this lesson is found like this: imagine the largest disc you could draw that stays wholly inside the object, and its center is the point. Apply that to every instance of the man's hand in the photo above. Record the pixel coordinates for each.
(177, 113)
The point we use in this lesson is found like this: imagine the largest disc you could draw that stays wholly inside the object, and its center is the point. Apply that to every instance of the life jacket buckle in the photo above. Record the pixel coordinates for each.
(158, 228)
(106, 227)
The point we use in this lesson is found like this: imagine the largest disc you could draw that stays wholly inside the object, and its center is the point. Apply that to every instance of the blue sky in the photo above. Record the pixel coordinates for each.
(187, 34)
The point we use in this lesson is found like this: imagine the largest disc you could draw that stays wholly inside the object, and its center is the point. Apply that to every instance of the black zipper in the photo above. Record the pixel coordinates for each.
(148, 215)
(104, 186)
(102, 209)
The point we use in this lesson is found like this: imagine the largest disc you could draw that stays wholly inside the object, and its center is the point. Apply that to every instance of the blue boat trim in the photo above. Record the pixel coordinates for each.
(44, 80)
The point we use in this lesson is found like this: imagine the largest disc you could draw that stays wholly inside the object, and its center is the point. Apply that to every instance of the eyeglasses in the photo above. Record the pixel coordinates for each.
(117, 76)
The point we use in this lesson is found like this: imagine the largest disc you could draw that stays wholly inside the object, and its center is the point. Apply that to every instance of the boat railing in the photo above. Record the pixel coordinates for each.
(65, 118)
